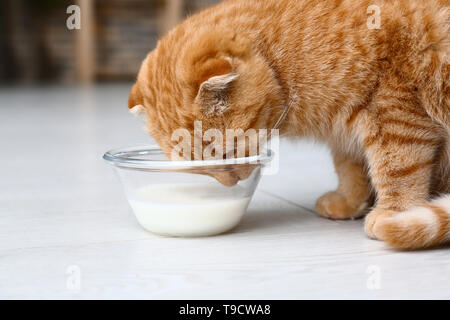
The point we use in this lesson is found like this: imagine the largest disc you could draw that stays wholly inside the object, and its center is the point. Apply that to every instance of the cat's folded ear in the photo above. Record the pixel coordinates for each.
(217, 78)
(135, 101)
(213, 93)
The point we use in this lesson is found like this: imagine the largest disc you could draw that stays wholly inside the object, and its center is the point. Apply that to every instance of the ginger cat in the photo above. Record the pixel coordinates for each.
(380, 98)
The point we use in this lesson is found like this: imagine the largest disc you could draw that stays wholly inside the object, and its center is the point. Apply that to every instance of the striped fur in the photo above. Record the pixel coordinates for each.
(380, 98)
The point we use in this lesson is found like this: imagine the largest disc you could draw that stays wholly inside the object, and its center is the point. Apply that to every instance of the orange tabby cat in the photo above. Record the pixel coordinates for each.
(379, 97)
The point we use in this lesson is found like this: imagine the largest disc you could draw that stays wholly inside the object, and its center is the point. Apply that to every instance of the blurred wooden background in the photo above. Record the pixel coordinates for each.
(115, 36)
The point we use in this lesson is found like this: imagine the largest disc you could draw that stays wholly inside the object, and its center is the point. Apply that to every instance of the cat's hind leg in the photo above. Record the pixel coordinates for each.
(351, 199)
(401, 143)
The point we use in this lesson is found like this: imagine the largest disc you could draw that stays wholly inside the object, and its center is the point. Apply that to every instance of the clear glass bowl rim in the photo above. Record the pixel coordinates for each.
(125, 158)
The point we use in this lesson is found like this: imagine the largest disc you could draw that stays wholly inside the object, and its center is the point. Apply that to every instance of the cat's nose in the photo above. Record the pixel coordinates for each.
(228, 179)
(232, 177)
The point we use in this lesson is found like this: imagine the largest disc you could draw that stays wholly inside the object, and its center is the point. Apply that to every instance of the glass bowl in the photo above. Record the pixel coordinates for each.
(185, 198)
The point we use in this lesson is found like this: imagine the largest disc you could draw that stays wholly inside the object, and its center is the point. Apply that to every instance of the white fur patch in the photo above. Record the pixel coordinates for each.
(444, 203)
(137, 110)
(419, 215)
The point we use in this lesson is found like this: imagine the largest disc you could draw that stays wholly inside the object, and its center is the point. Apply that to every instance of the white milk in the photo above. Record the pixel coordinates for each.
(188, 210)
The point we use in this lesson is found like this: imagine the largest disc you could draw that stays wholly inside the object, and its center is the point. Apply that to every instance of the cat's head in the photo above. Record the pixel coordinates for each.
(212, 76)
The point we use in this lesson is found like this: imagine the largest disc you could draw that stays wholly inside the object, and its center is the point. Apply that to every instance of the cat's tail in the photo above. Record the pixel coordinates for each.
(419, 227)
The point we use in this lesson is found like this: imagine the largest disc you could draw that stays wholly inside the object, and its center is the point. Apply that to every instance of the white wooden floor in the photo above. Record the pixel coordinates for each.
(66, 230)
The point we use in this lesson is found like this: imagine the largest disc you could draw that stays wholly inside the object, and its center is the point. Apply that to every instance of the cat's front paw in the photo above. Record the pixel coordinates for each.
(374, 221)
(333, 205)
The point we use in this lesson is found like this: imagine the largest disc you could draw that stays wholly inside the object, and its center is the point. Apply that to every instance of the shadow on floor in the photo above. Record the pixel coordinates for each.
(282, 218)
